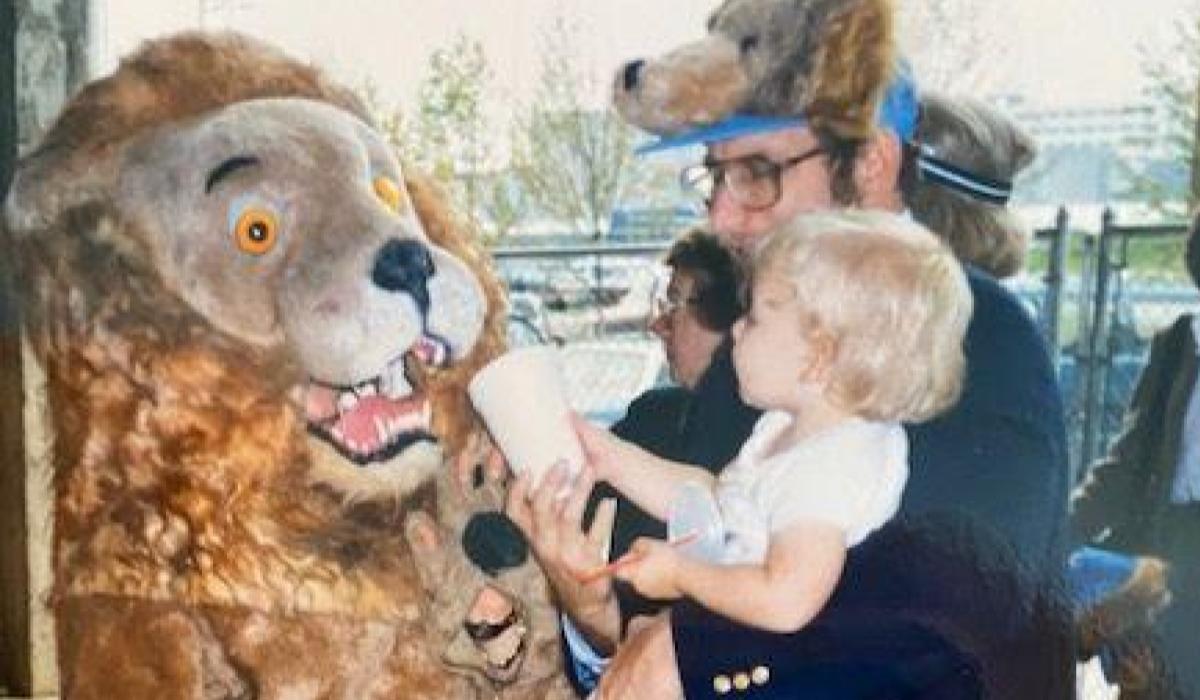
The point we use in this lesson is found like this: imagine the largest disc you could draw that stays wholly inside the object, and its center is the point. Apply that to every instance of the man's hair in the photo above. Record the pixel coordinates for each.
(841, 154)
(976, 139)
(1191, 257)
(717, 275)
(889, 301)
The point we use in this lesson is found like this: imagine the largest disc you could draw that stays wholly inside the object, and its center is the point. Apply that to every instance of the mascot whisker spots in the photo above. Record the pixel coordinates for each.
(826, 60)
(257, 329)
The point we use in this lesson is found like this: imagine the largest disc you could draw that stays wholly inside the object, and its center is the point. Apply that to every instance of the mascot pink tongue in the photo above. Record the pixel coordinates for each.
(374, 421)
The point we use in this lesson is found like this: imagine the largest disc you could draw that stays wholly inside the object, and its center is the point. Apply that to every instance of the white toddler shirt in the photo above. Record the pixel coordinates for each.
(851, 476)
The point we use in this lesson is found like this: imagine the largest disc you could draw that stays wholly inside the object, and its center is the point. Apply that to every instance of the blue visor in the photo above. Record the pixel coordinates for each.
(732, 127)
(898, 112)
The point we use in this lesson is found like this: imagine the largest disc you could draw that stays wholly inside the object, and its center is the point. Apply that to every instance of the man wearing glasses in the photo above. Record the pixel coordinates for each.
(999, 456)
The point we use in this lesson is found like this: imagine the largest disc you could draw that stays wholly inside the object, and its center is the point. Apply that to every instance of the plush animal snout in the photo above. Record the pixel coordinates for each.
(632, 74)
(405, 266)
(493, 543)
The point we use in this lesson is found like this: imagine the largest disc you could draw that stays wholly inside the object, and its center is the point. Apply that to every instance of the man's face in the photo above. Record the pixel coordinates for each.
(804, 187)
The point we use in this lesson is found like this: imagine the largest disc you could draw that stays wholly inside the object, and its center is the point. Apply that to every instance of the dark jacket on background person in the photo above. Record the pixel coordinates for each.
(1128, 491)
(1127, 496)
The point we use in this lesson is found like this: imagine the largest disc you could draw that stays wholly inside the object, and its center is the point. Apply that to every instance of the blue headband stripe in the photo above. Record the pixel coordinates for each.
(966, 182)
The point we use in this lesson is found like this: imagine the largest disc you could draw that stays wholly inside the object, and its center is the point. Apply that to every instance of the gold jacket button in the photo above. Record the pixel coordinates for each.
(722, 684)
(741, 681)
(760, 675)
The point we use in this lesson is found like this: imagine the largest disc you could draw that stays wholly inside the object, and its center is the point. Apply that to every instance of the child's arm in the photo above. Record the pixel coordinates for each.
(649, 481)
(803, 565)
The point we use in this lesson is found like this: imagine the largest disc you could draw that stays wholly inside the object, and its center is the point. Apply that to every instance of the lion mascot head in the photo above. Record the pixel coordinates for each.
(257, 328)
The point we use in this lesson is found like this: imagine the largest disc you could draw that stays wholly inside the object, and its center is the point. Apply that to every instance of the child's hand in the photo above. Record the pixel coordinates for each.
(602, 450)
(652, 568)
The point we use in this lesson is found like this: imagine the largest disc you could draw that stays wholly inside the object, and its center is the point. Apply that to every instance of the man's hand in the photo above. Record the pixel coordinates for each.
(553, 525)
(644, 667)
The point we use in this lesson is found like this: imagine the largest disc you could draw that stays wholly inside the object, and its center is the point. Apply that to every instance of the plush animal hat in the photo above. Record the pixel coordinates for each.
(826, 61)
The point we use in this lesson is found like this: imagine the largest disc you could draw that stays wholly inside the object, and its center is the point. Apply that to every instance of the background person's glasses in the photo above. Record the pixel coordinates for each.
(753, 181)
(665, 305)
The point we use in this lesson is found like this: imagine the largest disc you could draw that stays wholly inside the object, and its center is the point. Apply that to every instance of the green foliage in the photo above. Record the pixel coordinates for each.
(1173, 72)
(1149, 259)
(573, 160)
(446, 136)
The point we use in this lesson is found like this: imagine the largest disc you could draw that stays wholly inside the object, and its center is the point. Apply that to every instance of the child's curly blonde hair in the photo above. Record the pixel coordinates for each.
(889, 301)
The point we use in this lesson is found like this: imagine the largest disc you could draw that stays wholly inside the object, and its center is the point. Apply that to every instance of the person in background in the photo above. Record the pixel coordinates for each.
(691, 318)
(967, 155)
(1143, 498)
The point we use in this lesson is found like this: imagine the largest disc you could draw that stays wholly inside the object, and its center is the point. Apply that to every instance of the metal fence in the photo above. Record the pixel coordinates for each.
(1107, 291)
(1098, 295)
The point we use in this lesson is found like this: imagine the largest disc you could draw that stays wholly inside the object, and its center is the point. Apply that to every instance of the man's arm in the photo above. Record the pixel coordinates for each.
(644, 667)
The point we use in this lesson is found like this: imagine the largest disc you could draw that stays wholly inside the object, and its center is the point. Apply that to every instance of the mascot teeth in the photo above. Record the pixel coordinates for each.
(393, 382)
(374, 420)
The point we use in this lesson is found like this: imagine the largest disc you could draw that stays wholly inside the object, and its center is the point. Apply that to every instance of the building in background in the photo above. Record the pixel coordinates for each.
(1095, 155)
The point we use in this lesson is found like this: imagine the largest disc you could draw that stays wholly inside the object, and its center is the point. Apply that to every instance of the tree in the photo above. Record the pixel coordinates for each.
(575, 161)
(503, 203)
(447, 135)
(1173, 76)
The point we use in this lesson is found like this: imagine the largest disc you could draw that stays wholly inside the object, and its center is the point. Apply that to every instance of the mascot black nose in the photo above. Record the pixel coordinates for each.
(405, 266)
(633, 74)
(493, 543)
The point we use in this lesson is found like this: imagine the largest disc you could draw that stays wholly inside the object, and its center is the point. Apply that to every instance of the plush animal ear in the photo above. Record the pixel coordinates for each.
(52, 181)
(852, 65)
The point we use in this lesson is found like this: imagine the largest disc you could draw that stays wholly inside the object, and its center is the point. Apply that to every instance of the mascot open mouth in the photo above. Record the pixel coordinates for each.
(495, 627)
(378, 418)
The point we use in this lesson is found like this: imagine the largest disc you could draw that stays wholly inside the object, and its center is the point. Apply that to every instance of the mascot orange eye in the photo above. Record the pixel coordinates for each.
(256, 231)
(389, 193)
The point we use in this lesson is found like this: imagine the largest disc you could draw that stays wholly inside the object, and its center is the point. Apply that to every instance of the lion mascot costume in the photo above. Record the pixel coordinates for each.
(257, 329)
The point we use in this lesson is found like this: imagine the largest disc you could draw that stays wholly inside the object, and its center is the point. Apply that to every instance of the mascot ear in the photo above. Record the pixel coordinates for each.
(852, 66)
(54, 180)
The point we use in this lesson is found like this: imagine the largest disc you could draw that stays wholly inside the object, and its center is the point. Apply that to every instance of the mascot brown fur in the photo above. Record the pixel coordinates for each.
(826, 60)
(257, 331)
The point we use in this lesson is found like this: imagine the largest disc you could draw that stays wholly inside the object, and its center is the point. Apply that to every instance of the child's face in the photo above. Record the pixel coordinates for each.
(771, 352)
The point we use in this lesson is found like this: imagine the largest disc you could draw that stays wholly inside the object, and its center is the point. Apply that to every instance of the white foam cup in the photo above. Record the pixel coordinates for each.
(521, 398)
